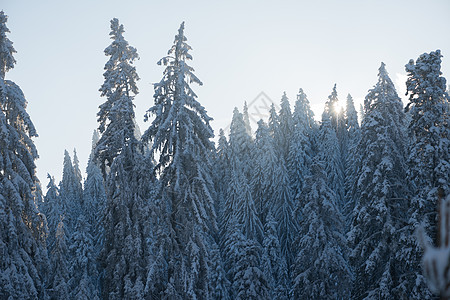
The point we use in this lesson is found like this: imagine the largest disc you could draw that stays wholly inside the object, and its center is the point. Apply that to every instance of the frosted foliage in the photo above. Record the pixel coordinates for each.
(116, 115)
(379, 214)
(287, 225)
(350, 156)
(248, 128)
(71, 192)
(329, 153)
(83, 268)
(222, 176)
(60, 272)
(321, 270)
(181, 135)
(244, 257)
(7, 50)
(54, 209)
(241, 144)
(219, 281)
(264, 171)
(22, 226)
(285, 126)
(273, 263)
(429, 158)
(94, 195)
(301, 146)
(123, 256)
(242, 204)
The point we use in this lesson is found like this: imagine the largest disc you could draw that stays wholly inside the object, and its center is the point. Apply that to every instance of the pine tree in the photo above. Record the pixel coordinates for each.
(123, 255)
(329, 153)
(240, 205)
(54, 209)
(60, 270)
(83, 270)
(116, 115)
(243, 258)
(321, 269)
(283, 210)
(284, 129)
(273, 121)
(22, 226)
(220, 283)
(94, 197)
(245, 212)
(273, 263)
(301, 148)
(265, 171)
(240, 223)
(181, 135)
(233, 197)
(428, 159)
(353, 133)
(241, 144)
(248, 127)
(249, 281)
(71, 194)
(78, 177)
(378, 217)
(158, 284)
(222, 175)
(271, 189)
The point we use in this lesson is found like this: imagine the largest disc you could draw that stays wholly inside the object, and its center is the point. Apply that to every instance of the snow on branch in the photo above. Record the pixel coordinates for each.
(436, 260)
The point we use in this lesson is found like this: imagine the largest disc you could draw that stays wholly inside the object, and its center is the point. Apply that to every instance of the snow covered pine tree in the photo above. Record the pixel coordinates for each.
(429, 156)
(379, 214)
(22, 226)
(123, 255)
(181, 137)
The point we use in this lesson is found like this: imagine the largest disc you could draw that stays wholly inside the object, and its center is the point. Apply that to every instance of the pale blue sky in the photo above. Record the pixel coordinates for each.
(240, 48)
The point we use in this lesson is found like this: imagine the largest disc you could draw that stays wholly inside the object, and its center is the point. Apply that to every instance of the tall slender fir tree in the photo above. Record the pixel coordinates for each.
(181, 137)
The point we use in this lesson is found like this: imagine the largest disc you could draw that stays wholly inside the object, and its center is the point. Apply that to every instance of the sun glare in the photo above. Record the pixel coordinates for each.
(338, 106)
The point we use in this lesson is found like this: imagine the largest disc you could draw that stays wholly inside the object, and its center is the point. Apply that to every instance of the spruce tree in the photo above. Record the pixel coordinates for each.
(243, 258)
(284, 129)
(83, 268)
(220, 283)
(249, 281)
(321, 269)
(301, 148)
(181, 136)
(287, 225)
(222, 176)
(71, 193)
(116, 115)
(241, 144)
(54, 209)
(428, 158)
(59, 287)
(350, 157)
(273, 262)
(22, 226)
(248, 127)
(329, 153)
(122, 258)
(94, 197)
(265, 171)
(273, 122)
(378, 217)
